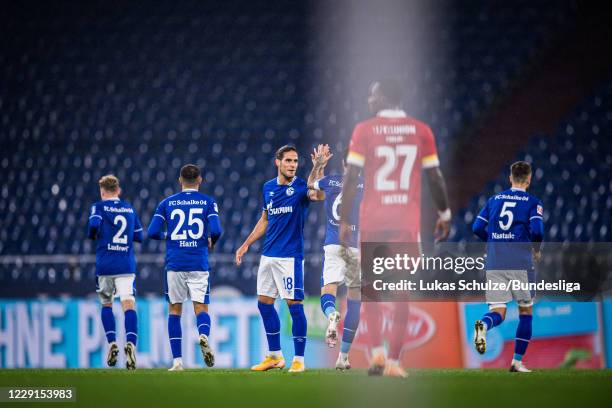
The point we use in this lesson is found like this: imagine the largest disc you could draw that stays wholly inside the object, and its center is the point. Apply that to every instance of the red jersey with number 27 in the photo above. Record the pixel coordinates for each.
(392, 149)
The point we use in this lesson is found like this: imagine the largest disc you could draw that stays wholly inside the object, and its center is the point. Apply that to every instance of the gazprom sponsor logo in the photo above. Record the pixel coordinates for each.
(280, 210)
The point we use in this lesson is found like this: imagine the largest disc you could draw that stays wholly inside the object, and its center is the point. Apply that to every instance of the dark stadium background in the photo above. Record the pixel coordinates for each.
(139, 89)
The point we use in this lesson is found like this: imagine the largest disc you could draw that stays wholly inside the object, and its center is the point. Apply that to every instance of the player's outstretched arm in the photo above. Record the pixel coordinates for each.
(349, 191)
(258, 232)
(437, 185)
(319, 157)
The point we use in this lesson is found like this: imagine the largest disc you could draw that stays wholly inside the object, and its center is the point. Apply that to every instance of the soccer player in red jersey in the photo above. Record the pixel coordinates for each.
(392, 149)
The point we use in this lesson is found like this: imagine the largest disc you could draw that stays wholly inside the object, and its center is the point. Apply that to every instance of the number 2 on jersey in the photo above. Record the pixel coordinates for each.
(177, 234)
(120, 237)
(382, 181)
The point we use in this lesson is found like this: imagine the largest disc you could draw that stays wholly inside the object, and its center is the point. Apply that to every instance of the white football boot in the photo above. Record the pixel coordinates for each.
(209, 357)
(113, 352)
(518, 367)
(177, 365)
(130, 356)
(480, 336)
(343, 362)
(331, 334)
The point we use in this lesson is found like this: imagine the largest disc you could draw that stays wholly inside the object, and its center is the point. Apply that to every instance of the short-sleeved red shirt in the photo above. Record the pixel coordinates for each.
(392, 149)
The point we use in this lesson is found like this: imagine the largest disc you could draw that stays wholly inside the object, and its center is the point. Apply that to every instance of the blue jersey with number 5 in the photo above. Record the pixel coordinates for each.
(115, 227)
(189, 217)
(509, 223)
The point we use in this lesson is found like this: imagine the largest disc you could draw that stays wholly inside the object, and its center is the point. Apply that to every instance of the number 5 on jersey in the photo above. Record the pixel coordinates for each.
(505, 212)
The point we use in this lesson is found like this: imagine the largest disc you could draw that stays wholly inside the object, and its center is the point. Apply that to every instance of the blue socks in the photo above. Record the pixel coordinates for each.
(131, 326)
(491, 319)
(523, 335)
(328, 304)
(298, 328)
(175, 334)
(351, 322)
(271, 324)
(108, 322)
(203, 322)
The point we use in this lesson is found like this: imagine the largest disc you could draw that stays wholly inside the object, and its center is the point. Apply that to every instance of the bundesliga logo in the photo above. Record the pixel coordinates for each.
(290, 191)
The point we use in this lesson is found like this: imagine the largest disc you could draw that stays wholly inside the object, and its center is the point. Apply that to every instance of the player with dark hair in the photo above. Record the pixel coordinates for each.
(113, 223)
(337, 268)
(286, 199)
(392, 149)
(511, 224)
(192, 229)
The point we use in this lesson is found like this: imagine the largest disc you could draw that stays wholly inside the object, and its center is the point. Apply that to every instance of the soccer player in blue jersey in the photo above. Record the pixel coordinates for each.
(281, 269)
(511, 223)
(113, 223)
(338, 266)
(192, 229)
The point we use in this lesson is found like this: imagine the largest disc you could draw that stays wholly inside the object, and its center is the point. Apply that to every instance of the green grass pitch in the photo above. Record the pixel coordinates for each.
(320, 388)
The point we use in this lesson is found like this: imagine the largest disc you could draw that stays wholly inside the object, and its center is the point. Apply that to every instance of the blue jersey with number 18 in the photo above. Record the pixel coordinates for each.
(287, 208)
(188, 216)
(115, 227)
(509, 223)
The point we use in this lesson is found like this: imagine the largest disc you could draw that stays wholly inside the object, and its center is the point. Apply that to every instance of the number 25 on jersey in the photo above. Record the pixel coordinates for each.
(195, 223)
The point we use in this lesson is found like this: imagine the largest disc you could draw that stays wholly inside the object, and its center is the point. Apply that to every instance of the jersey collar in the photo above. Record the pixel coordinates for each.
(290, 183)
(518, 189)
(391, 113)
(188, 189)
(111, 199)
